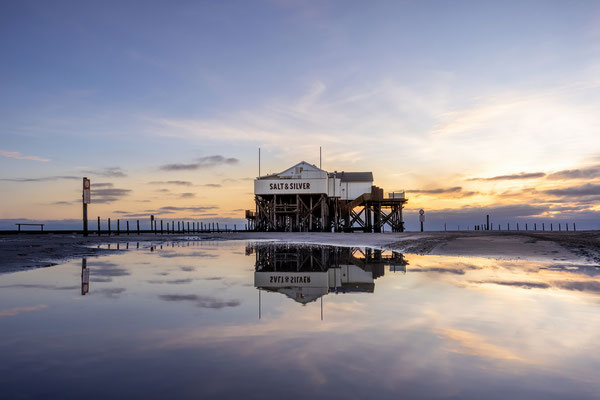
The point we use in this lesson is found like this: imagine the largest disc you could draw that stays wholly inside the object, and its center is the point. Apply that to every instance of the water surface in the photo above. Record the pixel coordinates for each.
(235, 319)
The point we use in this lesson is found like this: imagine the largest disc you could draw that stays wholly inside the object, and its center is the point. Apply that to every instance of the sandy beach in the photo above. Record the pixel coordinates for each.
(582, 248)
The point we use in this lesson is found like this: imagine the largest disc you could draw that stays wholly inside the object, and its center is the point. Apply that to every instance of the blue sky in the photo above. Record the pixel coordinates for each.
(430, 96)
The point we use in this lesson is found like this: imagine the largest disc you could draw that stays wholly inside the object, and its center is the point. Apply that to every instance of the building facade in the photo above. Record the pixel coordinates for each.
(305, 198)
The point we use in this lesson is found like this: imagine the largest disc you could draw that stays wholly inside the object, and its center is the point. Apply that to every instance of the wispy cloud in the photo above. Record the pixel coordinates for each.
(108, 195)
(200, 301)
(19, 156)
(43, 179)
(11, 312)
(579, 173)
(454, 189)
(588, 189)
(112, 172)
(512, 177)
(178, 183)
(197, 209)
(201, 163)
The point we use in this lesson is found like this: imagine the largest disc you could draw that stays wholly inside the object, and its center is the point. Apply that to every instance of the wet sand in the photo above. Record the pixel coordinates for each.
(32, 251)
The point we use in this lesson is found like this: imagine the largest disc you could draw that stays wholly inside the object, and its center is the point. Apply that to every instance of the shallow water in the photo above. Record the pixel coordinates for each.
(232, 319)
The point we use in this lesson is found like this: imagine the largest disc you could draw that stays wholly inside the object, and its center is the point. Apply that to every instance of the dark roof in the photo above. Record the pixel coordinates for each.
(355, 176)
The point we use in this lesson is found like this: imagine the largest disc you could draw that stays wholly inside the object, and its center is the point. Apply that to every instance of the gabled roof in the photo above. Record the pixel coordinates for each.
(303, 165)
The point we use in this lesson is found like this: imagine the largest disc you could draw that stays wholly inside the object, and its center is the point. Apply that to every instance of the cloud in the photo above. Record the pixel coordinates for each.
(44, 179)
(172, 282)
(196, 209)
(111, 293)
(187, 195)
(581, 286)
(19, 156)
(521, 175)
(581, 173)
(112, 172)
(11, 312)
(101, 196)
(40, 286)
(108, 271)
(201, 163)
(201, 301)
(212, 185)
(455, 189)
(521, 284)
(64, 203)
(588, 189)
(179, 183)
(103, 185)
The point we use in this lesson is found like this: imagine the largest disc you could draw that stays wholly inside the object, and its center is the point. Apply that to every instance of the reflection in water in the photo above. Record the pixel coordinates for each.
(85, 277)
(179, 321)
(306, 273)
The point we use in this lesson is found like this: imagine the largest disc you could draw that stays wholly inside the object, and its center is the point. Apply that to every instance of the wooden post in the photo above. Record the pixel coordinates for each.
(188, 226)
(218, 227)
(127, 227)
(526, 227)
(85, 220)
(550, 226)
(138, 226)
(109, 227)
(543, 227)
(487, 226)
(98, 226)
(507, 226)
(161, 226)
(118, 226)
(234, 227)
(178, 226)
(535, 226)
(574, 227)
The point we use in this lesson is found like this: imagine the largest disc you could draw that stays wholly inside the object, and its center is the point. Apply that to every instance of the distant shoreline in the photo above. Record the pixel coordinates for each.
(34, 250)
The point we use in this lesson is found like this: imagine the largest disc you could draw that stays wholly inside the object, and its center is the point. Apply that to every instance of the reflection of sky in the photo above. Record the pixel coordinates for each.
(188, 327)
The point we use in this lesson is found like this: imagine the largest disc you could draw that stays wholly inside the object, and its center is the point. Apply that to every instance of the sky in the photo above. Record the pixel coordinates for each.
(473, 108)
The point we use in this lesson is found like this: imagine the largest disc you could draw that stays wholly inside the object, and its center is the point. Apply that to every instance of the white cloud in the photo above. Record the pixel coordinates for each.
(20, 156)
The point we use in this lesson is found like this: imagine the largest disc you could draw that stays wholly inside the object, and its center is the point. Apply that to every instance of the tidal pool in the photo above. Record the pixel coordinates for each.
(258, 320)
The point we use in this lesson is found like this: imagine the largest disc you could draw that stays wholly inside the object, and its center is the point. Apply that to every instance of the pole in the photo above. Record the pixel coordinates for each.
(161, 227)
(321, 159)
(85, 215)
(118, 227)
(421, 226)
(487, 226)
(127, 227)
(98, 226)
(138, 226)
(259, 162)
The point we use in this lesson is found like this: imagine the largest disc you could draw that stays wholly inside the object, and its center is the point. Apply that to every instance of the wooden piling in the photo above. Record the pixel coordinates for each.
(118, 226)
(109, 227)
(98, 226)
(127, 227)
(161, 226)
(138, 226)
(188, 226)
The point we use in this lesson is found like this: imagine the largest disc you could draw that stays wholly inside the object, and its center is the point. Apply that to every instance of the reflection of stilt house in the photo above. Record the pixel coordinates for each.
(306, 273)
(305, 198)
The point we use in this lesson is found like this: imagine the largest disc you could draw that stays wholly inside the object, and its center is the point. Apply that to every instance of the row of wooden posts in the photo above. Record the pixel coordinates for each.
(490, 227)
(182, 227)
